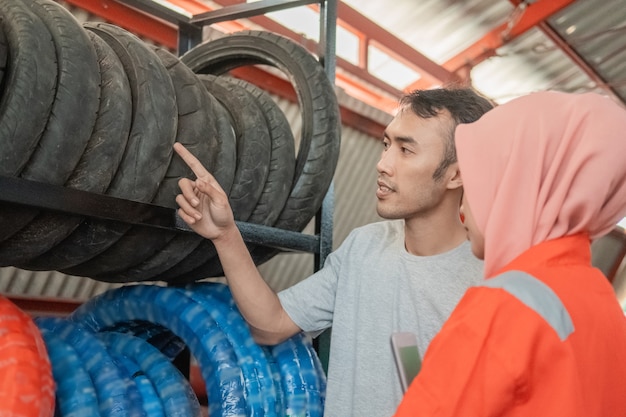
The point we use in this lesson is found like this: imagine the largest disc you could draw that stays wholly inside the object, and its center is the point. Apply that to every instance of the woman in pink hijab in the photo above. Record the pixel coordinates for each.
(544, 335)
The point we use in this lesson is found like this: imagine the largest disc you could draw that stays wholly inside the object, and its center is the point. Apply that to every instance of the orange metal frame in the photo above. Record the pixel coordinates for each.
(354, 79)
(487, 46)
(132, 20)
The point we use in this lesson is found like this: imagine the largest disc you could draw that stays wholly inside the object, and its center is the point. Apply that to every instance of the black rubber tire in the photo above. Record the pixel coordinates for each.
(26, 98)
(197, 131)
(108, 140)
(321, 130)
(181, 272)
(197, 250)
(137, 243)
(172, 253)
(196, 128)
(253, 144)
(203, 261)
(28, 91)
(253, 161)
(100, 160)
(149, 149)
(67, 134)
(76, 101)
(4, 54)
(277, 186)
(283, 156)
(225, 163)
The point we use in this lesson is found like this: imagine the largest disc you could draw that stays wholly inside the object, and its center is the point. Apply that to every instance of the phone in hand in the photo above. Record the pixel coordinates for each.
(406, 356)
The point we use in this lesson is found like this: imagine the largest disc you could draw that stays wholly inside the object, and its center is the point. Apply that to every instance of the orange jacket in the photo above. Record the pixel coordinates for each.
(517, 347)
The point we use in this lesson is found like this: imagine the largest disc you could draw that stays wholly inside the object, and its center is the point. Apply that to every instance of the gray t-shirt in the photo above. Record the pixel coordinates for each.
(368, 288)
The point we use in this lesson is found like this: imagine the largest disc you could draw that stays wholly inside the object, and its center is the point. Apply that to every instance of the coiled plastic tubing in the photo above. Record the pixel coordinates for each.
(141, 328)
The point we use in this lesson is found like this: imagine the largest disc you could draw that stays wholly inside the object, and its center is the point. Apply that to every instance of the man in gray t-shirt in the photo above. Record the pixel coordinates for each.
(402, 274)
(365, 298)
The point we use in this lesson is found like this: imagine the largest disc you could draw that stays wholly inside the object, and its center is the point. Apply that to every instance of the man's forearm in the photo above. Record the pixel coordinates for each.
(257, 302)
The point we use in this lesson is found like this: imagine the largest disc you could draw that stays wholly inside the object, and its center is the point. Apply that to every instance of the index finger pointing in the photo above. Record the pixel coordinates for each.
(191, 161)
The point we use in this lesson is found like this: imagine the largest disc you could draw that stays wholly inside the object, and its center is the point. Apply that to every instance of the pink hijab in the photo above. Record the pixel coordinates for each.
(544, 166)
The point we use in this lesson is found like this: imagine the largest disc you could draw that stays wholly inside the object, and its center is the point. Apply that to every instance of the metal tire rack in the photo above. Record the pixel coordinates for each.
(22, 192)
(61, 199)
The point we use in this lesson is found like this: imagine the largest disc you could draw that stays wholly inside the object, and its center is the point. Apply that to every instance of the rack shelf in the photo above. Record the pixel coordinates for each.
(17, 191)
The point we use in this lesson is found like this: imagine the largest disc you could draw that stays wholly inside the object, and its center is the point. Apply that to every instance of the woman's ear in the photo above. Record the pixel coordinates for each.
(454, 177)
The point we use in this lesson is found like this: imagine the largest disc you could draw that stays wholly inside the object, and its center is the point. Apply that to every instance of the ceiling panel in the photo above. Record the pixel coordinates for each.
(595, 29)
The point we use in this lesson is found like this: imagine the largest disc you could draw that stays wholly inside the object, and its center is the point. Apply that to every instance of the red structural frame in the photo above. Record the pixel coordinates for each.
(354, 79)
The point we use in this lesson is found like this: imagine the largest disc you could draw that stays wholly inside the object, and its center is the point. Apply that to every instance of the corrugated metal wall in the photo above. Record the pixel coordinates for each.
(49, 284)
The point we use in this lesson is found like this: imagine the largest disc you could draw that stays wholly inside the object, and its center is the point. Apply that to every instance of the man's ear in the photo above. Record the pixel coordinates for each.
(454, 177)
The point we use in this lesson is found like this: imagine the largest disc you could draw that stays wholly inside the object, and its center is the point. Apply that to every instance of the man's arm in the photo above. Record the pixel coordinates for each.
(205, 208)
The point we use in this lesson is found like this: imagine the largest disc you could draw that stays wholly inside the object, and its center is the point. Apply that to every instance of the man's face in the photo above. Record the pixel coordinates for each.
(413, 148)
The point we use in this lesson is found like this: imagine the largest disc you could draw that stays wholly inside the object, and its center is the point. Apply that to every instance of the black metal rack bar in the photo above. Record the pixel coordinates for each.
(244, 10)
(328, 35)
(61, 199)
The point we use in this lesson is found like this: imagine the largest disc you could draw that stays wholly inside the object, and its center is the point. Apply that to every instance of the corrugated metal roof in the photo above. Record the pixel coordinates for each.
(533, 62)
(596, 30)
(438, 29)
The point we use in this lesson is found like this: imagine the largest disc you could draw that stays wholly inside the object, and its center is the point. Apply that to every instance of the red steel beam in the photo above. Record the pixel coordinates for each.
(357, 73)
(192, 6)
(161, 32)
(368, 32)
(196, 7)
(487, 46)
(44, 305)
(397, 48)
